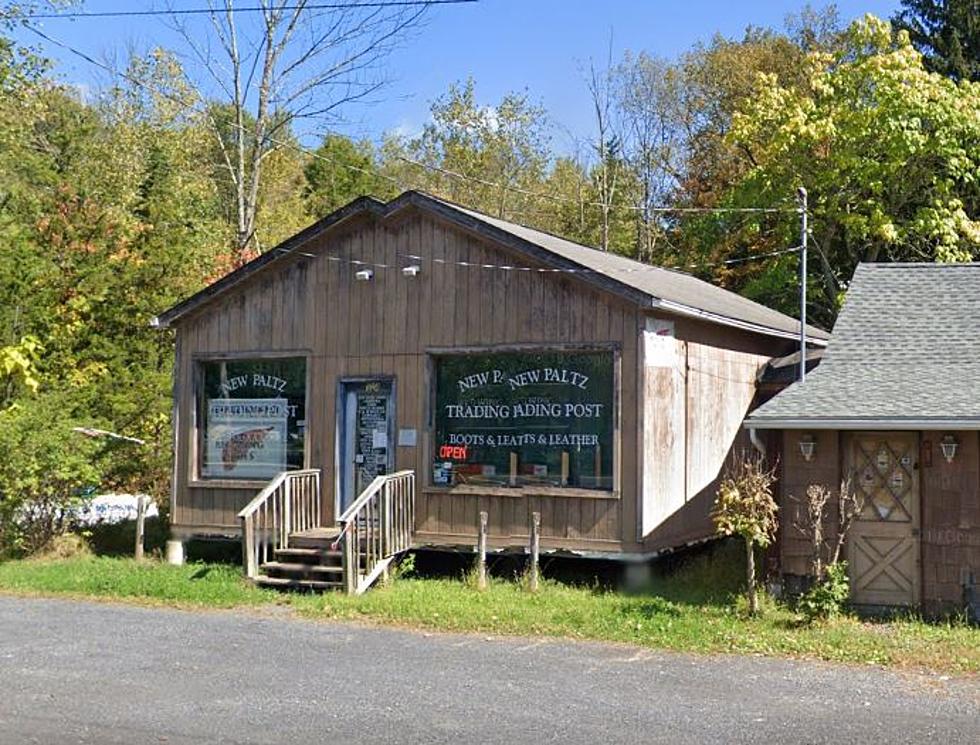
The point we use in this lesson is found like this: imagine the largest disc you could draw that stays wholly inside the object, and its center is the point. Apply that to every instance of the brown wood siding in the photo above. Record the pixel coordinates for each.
(949, 499)
(950, 519)
(313, 305)
(796, 476)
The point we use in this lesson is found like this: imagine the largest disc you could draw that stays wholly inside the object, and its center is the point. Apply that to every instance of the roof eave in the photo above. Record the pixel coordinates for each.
(889, 423)
(687, 310)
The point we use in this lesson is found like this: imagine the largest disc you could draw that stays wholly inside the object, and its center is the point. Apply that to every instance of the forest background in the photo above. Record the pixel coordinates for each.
(117, 204)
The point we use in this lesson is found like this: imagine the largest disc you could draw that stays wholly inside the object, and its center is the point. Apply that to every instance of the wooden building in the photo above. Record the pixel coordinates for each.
(894, 406)
(512, 371)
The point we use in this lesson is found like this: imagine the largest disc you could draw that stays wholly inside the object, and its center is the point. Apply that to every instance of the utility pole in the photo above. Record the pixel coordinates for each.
(801, 196)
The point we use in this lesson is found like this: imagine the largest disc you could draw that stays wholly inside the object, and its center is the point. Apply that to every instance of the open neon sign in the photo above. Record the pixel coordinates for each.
(453, 452)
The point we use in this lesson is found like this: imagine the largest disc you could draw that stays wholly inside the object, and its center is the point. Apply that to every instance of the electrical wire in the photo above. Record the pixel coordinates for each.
(247, 9)
(377, 174)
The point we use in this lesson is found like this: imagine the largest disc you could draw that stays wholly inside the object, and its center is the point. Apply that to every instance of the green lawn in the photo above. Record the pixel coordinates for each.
(676, 613)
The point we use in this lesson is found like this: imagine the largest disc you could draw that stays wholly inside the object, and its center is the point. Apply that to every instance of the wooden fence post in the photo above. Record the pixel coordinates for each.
(142, 502)
(535, 550)
(481, 561)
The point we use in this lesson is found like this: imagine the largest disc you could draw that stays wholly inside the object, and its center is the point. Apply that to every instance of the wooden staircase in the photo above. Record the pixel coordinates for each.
(308, 564)
(286, 547)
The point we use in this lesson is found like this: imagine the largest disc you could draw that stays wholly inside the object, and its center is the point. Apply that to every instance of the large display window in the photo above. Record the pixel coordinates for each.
(251, 417)
(524, 419)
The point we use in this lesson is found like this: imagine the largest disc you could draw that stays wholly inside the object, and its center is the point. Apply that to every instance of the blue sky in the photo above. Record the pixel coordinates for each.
(538, 45)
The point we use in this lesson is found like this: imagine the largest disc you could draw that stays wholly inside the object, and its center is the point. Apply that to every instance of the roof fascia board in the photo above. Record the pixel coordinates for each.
(864, 424)
(282, 251)
(686, 310)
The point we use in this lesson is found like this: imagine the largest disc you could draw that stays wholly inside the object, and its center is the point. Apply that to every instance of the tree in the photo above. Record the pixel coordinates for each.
(946, 32)
(302, 62)
(492, 158)
(647, 92)
(339, 171)
(888, 151)
(745, 507)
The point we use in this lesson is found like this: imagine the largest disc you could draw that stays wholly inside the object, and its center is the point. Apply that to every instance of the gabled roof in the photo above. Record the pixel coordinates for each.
(905, 354)
(649, 286)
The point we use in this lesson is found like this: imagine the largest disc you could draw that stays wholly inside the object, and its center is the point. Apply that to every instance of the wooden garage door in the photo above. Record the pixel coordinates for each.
(883, 551)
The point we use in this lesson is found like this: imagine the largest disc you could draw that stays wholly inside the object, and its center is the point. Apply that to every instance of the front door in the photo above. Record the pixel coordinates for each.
(366, 427)
(883, 553)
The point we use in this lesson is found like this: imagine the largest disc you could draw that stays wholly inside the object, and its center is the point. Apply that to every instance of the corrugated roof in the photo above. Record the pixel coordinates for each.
(905, 350)
(671, 290)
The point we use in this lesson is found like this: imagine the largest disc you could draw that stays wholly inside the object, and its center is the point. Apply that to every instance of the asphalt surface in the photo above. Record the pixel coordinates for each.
(74, 672)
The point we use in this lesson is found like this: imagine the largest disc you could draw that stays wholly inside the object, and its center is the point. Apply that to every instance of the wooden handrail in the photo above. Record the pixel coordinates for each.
(378, 525)
(289, 503)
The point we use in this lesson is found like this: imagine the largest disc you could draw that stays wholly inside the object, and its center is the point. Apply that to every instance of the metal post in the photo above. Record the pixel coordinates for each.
(801, 195)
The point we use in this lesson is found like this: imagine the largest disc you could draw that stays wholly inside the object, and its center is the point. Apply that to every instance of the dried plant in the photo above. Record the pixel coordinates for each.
(815, 515)
(745, 507)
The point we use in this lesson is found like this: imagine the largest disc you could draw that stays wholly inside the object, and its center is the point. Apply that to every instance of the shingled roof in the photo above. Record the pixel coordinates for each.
(650, 286)
(904, 354)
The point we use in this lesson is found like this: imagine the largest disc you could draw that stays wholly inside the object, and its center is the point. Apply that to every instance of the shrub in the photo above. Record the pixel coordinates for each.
(745, 507)
(46, 471)
(828, 596)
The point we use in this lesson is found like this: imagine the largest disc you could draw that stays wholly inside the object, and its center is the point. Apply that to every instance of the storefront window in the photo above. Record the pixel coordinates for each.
(521, 419)
(252, 415)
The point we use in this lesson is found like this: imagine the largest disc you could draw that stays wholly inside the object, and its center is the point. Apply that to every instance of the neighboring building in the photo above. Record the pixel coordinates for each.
(513, 371)
(895, 405)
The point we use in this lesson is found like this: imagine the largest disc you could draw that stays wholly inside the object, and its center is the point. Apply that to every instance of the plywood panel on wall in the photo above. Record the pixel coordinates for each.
(718, 392)
(664, 427)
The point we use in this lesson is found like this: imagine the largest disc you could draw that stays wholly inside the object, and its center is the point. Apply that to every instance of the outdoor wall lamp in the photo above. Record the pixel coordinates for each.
(948, 446)
(364, 275)
(412, 270)
(807, 447)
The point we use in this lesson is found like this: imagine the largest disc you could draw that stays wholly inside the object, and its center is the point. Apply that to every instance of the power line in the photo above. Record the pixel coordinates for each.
(431, 167)
(248, 9)
(377, 174)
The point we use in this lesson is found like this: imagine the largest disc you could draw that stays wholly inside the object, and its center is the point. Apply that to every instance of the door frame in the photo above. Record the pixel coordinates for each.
(915, 529)
(340, 406)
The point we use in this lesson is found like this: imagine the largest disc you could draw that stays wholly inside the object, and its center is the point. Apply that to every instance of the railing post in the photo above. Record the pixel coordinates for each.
(248, 546)
(350, 561)
(287, 512)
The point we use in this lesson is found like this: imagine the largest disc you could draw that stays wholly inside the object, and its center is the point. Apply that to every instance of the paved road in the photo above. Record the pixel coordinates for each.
(74, 672)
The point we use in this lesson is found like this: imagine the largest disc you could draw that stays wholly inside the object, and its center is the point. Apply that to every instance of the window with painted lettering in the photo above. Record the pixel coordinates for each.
(251, 417)
(524, 419)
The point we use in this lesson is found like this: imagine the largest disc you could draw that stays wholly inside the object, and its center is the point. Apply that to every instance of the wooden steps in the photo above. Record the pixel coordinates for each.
(308, 564)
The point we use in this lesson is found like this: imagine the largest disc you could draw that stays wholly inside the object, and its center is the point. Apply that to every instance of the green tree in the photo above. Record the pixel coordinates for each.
(339, 171)
(946, 32)
(888, 151)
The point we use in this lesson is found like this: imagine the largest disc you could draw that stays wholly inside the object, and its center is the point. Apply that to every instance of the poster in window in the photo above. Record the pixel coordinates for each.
(246, 437)
(524, 419)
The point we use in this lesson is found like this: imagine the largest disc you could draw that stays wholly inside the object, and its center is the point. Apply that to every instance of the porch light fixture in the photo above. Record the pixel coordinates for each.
(948, 446)
(364, 275)
(412, 270)
(807, 446)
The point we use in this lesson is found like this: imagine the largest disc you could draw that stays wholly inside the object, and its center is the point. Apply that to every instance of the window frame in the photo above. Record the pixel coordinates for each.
(196, 439)
(433, 353)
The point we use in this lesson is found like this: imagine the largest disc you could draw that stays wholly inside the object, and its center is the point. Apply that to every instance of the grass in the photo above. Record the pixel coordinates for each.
(680, 612)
